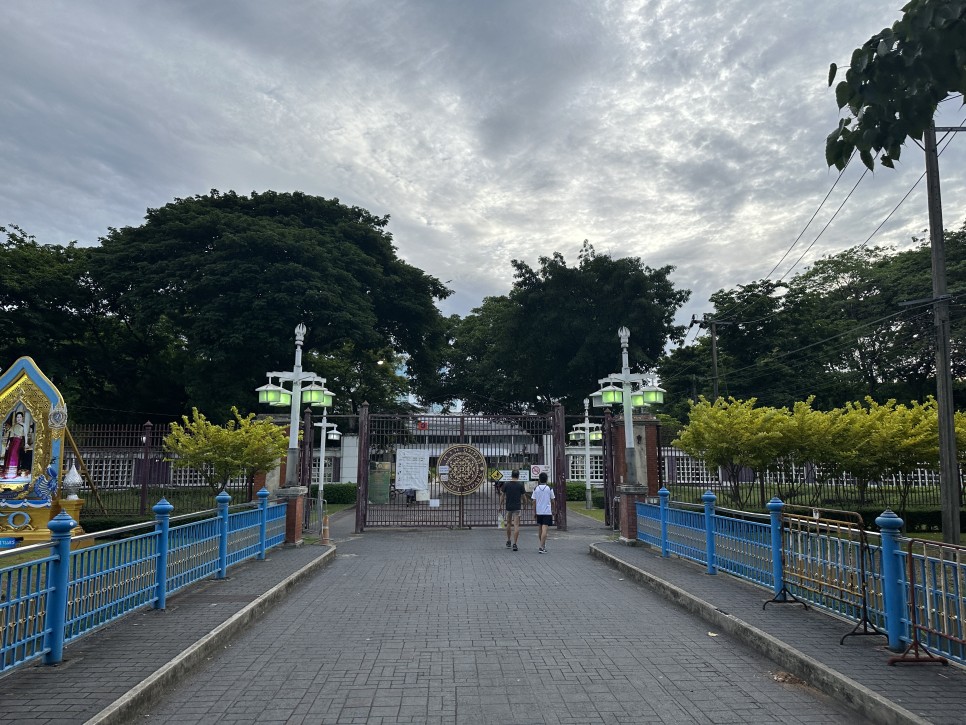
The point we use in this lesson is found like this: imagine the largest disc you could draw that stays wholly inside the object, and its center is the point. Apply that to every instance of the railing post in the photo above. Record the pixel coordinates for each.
(262, 521)
(59, 572)
(890, 525)
(162, 515)
(709, 500)
(665, 496)
(223, 500)
(775, 507)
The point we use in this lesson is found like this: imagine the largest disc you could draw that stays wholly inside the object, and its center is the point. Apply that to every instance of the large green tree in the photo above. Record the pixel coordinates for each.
(555, 333)
(220, 281)
(193, 307)
(896, 79)
(840, 330)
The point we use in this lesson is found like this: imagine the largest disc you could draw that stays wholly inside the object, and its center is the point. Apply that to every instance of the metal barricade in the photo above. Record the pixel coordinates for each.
(826, 561)
(936, 582)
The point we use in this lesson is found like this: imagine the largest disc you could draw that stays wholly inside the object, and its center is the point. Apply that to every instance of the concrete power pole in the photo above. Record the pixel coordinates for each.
(949, 483)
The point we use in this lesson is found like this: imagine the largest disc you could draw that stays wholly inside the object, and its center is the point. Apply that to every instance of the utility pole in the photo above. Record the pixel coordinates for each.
(710, 322)
(949, 482)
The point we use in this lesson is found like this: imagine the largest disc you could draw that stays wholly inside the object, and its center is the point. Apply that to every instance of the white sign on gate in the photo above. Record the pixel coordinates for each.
(412, 469)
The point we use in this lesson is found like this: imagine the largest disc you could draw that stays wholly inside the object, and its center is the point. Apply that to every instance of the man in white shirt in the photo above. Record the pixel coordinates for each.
(543, 504)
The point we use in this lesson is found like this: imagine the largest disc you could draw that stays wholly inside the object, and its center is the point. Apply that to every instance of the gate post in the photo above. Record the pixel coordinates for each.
(362, 469)
(262, 522)
(775, 507)
(223, 499)
(890, 524)
(665, 498)
(162, 519)
(59, 572)
(709, 500)
(560, 464)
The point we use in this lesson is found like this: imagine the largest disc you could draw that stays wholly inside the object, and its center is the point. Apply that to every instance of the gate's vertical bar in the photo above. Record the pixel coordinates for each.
(559, 464)
(460, 504)
(362, 469)
(223, 499)
(709, 500)
(262, 522)
(665, 495)
(162, 520)
(775, 507)
(145, 462)
(60, 528)
(890, 525)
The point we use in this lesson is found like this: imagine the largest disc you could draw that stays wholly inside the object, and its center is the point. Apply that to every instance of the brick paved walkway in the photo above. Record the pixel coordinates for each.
(440, 626)
(104, 665)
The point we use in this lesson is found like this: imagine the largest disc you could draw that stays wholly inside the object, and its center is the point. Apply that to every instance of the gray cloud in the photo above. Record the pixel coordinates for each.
(689, 134)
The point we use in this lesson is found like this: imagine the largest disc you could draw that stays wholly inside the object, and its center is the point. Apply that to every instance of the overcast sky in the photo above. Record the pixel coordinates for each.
(684, 133)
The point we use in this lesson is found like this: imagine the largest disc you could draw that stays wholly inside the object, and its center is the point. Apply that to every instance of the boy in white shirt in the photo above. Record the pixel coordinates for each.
(543, 502)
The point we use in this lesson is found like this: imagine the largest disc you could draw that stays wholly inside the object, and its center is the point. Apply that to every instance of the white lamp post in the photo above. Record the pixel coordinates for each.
(590, 501)
(314, 394)
(616, 388)
(330, 431)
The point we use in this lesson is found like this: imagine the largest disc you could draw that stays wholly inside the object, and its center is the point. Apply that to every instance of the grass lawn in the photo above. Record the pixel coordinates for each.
(581, 508)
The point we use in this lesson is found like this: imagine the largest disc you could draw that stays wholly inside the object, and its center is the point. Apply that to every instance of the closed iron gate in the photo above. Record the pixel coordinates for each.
(506, 443)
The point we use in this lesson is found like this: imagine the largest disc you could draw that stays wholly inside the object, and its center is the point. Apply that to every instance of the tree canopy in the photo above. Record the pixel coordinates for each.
(194, 306)
(838, 331)
(896, 79)
(555, 333)
(243, 446)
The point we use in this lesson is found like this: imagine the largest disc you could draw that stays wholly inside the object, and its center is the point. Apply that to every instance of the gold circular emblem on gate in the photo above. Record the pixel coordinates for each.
(467, 469)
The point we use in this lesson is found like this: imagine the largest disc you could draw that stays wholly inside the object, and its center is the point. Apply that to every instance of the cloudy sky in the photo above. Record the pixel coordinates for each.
(684, 133)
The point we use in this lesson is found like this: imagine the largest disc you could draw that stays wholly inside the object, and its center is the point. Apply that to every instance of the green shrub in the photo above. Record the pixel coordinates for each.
(336, 492)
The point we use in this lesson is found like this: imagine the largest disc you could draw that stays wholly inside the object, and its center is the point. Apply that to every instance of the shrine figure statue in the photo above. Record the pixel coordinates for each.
(14, 440)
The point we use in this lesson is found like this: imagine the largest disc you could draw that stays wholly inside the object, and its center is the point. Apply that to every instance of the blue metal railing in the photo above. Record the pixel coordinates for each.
(63, 594)
(915, 596)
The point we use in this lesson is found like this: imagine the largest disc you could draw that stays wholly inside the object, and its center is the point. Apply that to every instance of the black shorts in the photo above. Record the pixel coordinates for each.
(545, 519)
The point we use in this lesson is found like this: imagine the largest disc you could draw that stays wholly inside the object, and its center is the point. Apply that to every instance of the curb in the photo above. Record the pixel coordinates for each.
(857, 696)
(125, 708)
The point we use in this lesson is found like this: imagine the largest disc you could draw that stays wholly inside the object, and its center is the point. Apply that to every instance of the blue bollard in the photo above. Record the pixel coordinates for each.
(890, 525)
(709, 501)
(59, 573)
(262, 522)
(162, 519)
(665, 497)
(775, 507)
(223, 500)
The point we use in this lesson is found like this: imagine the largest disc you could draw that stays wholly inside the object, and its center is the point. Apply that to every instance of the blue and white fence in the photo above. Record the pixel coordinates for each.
(911, 591)
(68, 592)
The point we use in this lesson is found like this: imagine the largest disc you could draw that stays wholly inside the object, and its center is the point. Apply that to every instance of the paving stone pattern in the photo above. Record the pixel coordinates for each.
(935, 693)
(448, 626)
(104, 665)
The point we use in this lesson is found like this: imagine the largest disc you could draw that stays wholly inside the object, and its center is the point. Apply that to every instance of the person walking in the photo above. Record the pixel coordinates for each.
(512, 496)
(543, 503)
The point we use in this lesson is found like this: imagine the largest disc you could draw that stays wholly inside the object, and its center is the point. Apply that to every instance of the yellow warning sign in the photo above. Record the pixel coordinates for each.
(496, 476)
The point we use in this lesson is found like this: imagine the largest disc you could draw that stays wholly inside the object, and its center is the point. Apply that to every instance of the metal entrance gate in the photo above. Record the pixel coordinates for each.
(506, 442)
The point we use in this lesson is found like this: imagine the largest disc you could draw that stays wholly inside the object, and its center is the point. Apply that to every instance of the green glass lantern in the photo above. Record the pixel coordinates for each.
(284, 399)
(270, 393)
(316, 396)
(596, 434)
(576, 435)
(651, 395)
(611, 395)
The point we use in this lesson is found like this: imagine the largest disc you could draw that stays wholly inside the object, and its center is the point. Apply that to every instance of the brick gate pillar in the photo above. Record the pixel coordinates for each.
(294, 496)
(646, 435)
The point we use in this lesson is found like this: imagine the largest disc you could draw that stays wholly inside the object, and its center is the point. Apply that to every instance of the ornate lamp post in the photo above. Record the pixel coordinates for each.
(616, 389)
(313, 394)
